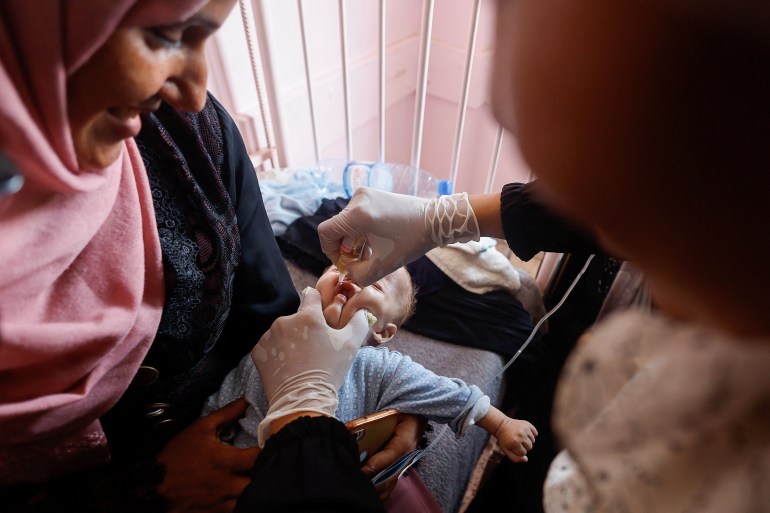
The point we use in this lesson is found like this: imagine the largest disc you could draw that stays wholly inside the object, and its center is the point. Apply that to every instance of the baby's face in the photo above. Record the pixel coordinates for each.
(384, 298)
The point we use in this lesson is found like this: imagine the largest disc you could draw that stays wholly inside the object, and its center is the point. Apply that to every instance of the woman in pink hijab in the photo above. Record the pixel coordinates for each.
(82, 290)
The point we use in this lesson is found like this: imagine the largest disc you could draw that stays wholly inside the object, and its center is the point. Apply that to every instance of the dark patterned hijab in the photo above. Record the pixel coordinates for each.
(196, 222)
(183, 155)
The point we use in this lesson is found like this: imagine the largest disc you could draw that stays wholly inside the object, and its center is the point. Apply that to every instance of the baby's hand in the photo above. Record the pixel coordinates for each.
(516, 438)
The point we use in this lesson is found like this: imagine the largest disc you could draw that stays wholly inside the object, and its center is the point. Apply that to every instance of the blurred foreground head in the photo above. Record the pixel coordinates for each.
(649, 121)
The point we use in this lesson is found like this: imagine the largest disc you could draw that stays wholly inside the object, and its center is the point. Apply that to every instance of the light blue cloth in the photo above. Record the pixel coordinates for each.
(378, 379)
(290, 194)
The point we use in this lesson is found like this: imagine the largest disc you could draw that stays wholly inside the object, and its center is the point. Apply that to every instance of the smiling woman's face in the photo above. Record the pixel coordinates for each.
(133, 72)
(384, 298)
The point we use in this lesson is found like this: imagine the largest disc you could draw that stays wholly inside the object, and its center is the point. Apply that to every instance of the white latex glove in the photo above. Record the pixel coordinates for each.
(397, 229)
(302, 362)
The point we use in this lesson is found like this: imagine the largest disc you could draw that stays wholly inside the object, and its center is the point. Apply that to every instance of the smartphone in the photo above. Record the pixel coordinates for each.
(373, 431)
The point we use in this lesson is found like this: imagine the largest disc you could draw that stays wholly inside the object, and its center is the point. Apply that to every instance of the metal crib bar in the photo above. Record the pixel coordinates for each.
(311, 99)
(466, 88)
(345, 80)
(259, 81)
(419, 115)
(381, 152)
(495, 160)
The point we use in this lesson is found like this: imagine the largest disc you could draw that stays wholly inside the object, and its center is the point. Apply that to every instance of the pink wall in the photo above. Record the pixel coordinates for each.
(232, 81)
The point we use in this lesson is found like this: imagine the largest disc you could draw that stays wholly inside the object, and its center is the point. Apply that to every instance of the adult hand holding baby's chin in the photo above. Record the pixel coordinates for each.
(302, 362)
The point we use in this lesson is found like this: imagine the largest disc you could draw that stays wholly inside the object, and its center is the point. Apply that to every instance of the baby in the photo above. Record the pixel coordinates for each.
(380, 378)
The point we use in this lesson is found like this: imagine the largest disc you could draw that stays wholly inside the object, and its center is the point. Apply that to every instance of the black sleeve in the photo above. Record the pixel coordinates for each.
(531, 227)
(263, 290)
(310, 465)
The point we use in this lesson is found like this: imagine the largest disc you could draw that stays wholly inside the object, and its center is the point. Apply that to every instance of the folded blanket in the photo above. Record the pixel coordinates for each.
(477, 267)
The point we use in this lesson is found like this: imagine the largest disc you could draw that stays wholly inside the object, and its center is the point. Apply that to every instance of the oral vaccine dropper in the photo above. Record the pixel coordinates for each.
(351, 250)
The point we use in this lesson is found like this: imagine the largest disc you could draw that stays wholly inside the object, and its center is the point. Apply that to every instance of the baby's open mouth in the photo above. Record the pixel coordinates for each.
(333, 311)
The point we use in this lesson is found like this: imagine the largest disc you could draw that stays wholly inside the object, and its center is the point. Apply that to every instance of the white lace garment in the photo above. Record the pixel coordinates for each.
(658, 416)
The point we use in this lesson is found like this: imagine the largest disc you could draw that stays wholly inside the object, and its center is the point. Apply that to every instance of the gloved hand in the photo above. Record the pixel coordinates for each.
(302, 362)
(397, 229)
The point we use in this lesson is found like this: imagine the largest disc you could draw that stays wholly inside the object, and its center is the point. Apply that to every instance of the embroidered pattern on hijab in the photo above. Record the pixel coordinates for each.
(199, 235)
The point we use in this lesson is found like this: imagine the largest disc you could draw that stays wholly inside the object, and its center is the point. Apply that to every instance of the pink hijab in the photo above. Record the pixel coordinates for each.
(81, 285)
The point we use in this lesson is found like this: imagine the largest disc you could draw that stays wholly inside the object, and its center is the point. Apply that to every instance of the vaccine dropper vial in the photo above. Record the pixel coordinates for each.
(350, 251)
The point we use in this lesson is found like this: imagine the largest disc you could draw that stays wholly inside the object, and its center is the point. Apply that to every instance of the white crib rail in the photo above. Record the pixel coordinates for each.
(466, 87)
(422, 82)
(495, 160)
(420, 95)
(381, 67)
(346, 81)
(308, 80)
